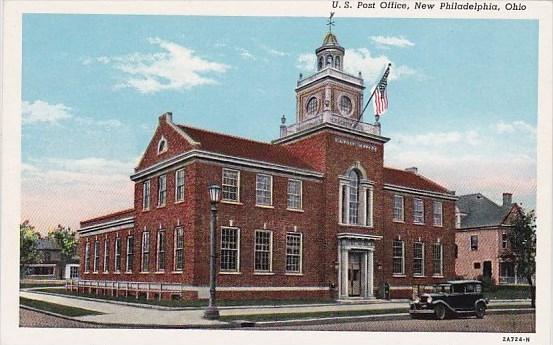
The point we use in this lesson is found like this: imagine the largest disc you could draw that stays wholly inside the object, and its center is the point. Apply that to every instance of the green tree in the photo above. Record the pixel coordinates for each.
(66, 240)
(523, 245)
(28, 241)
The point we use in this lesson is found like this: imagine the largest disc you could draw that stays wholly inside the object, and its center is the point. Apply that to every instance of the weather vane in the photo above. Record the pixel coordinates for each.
(330, 22)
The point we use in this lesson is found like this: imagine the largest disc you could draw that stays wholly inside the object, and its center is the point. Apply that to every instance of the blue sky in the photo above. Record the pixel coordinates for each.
(463, 96)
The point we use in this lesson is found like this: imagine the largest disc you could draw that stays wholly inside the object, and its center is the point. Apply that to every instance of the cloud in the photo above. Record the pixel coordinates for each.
(66, 191)
(514, 127)
(470, 137)
(394, 41)
(108, 124)
(41, 111)
(306, 62)
(174, 68)
(273, 51)
(245, 54)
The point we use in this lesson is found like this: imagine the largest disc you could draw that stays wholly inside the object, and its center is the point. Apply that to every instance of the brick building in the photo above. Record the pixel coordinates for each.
(482, 239)
(314, 214)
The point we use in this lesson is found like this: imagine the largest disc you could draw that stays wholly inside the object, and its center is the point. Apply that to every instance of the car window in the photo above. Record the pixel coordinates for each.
(478, 288)
(458, 288)
(469, 288)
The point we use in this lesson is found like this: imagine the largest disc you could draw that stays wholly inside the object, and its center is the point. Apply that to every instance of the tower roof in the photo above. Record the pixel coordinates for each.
(330, 39)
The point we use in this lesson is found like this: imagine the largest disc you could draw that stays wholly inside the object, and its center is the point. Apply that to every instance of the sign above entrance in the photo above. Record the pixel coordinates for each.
(350, 142)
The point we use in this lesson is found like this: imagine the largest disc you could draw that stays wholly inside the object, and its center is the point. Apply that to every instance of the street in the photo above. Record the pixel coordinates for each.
(511, 323)
(29, 318)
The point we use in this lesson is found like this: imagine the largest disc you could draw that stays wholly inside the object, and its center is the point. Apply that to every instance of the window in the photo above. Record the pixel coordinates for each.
(146, 195)
(162, 190)
(294, 194)
(162, 145)
(179, 249)
(474, 242)
(87, 257)
(398, 257)
(418, 259)
(369, 207)
(96, 255)
(145, 251)
(179, 185)
(353, 197)
(264, 190)
(345, 105)
(437, 259)
(337, 62)
(320, 63)
(263, 250)
(504, 241)
(117, 255)
(106, 255)
(312, 106)
(477, 266)
(329, 60)
(418, 211)
(231, 185)
(437, 213)
(398, 209)
(160, 264)
(293, 252)
(130, 253)
(73, 272)
(230, 250)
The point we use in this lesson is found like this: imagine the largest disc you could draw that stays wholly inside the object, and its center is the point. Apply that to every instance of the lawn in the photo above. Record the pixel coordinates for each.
(308, 315)
(56, 308)
(183, 303)
(36, 285)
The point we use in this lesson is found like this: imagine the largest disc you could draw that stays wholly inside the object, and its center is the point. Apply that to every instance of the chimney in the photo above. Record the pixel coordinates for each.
(167, 117)
(413, 170)
(507, 199)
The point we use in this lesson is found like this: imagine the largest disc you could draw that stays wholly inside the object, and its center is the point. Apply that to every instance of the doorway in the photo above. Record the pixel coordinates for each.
(354, 274)
(487, 269)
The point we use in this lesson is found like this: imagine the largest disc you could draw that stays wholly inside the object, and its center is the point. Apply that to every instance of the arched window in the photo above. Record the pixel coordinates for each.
(321, 61)
(162, 145)
(345, 105)
(329, 60)
(337, 62)
(353, 203)
(312, 106)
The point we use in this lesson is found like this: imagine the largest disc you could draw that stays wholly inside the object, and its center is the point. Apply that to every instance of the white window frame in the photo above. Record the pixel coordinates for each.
(418, 214)
(145, 249)
(117, 255)
(129, 253)
(146, 195)
(181, 186)
(299, 256)
(165, 147)
(160, 250)
(402, 257)
(270, 191)
(106, 255)
(470, 243)
(161, 192)
(223, 185)
(87, 257)
(421, 258)
(270, 270)
(440, 220)
(441, 252)
(504, 240)
(365, 203)
(299, 196)
(368, 205)
(96, 263)
(177, 248)
(223, 249)
(399, 210)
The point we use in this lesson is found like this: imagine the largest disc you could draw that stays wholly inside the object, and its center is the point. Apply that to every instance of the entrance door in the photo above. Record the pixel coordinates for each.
(487, 269)
(354, 274)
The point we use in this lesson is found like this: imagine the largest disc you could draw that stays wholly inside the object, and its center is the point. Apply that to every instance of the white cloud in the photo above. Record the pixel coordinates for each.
(514, 127)
(394, 41)
(470, 137)
(273, 51)
(372, 67)
(245, 54)
(108, 124)
(174, 68)
(306, 62)
(41, 111)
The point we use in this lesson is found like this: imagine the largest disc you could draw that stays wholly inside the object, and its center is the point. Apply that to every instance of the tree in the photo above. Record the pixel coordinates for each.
(523, 245)
(28, 242)
(66, 240)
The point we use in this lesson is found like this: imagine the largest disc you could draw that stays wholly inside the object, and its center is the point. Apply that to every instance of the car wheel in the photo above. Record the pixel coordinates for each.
(480, 310)
(439, 311)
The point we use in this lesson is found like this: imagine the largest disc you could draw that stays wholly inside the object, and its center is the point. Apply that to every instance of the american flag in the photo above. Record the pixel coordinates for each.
(380, 101)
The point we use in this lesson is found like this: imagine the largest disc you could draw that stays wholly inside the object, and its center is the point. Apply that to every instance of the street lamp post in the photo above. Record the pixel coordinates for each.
(212, 313)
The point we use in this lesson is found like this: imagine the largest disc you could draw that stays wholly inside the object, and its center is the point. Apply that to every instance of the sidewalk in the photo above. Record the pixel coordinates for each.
(128, 315)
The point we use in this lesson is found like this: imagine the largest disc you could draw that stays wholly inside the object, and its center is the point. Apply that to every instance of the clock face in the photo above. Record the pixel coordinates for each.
(345, 105)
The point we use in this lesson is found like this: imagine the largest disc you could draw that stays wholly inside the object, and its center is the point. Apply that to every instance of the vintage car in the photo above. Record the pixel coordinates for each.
(458, 297)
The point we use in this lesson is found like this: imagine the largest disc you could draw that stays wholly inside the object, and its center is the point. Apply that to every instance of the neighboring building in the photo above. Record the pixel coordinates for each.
(482, 239)
(51, 265)
(314, 214)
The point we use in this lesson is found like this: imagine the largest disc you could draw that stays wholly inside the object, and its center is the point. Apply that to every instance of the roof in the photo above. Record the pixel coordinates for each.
(47, 244)
(411, 180)
(479, 211)
(107, 217)
(330, 39)
(244, 148)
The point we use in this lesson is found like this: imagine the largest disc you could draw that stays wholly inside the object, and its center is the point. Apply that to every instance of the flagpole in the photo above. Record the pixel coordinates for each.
(372, 94)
